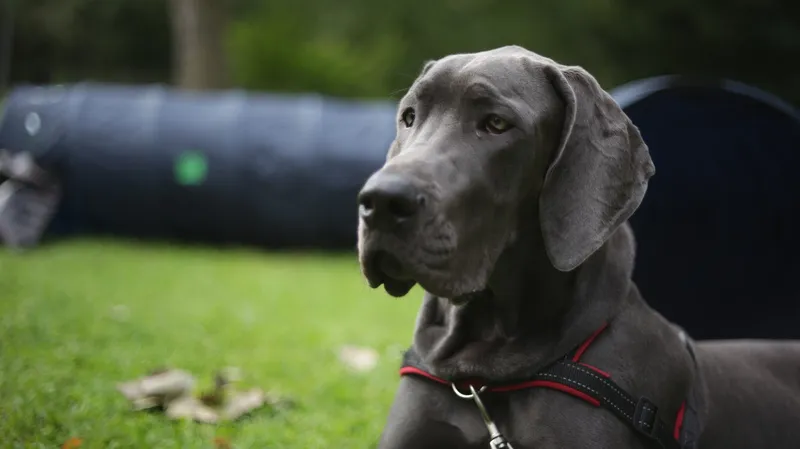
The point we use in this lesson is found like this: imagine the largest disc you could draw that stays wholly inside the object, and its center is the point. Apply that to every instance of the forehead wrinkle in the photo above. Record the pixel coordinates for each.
(433, 87)
(512, 83)
(482, 78)
(476, 60)
(422, 91)
(496, 75)
(482, 90)
(428, 87)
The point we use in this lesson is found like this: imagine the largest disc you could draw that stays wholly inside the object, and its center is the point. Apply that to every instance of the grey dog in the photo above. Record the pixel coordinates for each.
(505, 195)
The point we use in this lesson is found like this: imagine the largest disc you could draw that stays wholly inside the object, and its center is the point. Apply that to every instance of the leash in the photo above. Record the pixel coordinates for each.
(496, 439)
(571, 376)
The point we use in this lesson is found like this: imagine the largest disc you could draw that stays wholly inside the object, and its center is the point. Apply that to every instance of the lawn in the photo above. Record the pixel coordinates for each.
(77, 317)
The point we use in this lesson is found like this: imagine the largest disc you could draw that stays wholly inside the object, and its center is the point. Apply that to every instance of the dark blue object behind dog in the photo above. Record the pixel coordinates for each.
(719, 220)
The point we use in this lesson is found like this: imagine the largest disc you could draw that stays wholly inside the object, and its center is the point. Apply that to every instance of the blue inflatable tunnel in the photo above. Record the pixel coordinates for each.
(223, 167)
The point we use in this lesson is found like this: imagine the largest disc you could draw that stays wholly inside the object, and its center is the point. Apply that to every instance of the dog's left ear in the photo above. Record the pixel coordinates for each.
(598, 174)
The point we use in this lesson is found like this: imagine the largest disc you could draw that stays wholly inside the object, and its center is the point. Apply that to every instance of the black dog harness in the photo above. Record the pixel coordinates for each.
(571, 376)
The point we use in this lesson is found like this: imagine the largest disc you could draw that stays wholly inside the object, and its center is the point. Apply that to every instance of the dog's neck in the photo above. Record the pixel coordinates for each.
(533, 315)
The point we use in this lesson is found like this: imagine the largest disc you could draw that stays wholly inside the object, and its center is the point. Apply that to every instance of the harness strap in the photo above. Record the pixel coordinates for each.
(640, 413)
(571, 376)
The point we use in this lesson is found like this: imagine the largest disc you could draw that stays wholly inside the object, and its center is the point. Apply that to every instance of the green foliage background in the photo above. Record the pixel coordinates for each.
(368, 48)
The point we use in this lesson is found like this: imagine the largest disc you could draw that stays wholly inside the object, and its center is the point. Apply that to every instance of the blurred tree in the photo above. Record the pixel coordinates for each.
(276, 48)
(6, 36)
(198, 33)
(364, 48)
(109, 40)
(747, 40)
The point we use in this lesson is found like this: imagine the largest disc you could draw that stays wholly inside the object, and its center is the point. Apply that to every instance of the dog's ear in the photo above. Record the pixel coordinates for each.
(598, 174)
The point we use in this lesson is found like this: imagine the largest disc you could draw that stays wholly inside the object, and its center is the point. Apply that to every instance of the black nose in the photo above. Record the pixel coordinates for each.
(387, 200)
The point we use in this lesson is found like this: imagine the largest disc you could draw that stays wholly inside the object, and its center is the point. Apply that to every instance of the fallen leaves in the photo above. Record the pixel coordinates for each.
(357, 358)
(72, 443)
(172, 391)
(120, 312)
(222, 443)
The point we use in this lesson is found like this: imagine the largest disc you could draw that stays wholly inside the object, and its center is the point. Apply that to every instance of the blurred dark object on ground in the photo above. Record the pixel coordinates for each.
(716, 239)
(29, 196)
(717, 234)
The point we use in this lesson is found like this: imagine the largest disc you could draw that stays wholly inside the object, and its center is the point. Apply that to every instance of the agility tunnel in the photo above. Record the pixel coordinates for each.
(717, 232)
(222, 167)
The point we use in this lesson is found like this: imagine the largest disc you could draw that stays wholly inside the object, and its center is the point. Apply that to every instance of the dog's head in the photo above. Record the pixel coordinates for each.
(481, 138)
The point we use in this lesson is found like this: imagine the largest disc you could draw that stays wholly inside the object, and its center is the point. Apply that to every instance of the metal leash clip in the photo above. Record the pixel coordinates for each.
(497, 440)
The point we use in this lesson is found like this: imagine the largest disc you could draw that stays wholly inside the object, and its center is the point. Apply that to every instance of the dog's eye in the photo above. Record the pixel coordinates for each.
(408, 117)
(496, 124)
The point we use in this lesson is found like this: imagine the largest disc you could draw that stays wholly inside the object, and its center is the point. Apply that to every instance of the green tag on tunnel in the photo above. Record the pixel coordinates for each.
(191, 168)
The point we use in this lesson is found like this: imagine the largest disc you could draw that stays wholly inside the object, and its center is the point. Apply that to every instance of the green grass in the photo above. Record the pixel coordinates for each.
(78, 317)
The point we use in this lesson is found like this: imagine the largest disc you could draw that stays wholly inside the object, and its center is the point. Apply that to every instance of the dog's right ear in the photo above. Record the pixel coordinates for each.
(598, 175)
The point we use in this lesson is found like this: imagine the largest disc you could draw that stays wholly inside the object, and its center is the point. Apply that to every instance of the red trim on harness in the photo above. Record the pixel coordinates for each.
(595, 369)
(585, 345)
(406, 370)
(679, 421)
(563, 388)
(416, 371)
(506, 388)
(410, 370)
(548, 384)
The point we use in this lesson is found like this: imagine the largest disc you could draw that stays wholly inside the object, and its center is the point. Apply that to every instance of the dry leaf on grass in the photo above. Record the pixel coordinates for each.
(191, 408)
(242, 403)
(120, 312)
(222, 443)
(358, 358)
(157, 389)
(72, 443)
(172, 391)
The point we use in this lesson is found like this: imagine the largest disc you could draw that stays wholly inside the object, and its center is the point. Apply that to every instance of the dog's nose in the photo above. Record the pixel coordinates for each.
(387, 200)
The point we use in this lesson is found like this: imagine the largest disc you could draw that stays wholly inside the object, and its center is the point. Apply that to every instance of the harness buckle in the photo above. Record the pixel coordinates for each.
(645, 418)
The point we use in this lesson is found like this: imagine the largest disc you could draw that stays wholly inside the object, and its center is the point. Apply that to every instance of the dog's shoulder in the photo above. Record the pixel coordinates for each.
(773, 362)
(755, 382)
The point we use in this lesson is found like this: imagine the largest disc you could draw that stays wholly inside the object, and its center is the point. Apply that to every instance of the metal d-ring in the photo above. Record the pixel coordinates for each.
(471, 395)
